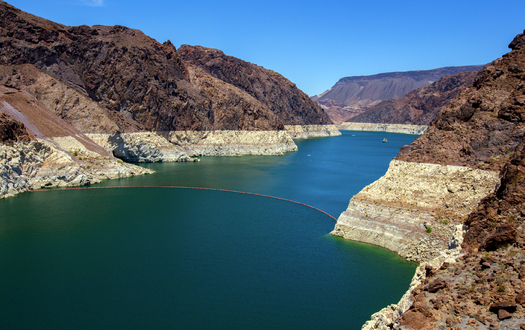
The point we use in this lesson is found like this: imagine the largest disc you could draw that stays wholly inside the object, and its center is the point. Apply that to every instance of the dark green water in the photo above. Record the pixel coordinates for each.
(164, 258)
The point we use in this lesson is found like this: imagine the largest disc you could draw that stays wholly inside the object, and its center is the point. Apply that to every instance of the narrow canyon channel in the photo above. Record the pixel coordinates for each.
(174, 258)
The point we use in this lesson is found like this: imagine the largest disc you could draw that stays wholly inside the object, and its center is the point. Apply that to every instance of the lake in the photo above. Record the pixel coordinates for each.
(178, 258)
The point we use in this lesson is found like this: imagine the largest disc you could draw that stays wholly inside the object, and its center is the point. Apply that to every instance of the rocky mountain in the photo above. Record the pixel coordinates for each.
(85, 95)
(454, 199)
(277, 93)
(351, 96)
(421, 106)
(143, 85)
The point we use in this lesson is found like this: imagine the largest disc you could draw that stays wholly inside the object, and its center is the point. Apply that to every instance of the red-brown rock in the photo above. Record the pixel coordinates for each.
(507, 305)
(436, 285)
(503, 314)
(351, 96)
(145, 85)
(504, 235)
(277, 93)
(484, 125)
(12, 130)
(520, 298)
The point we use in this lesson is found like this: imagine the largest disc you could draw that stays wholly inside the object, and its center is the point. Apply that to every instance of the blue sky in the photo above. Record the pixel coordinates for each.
(314, 43)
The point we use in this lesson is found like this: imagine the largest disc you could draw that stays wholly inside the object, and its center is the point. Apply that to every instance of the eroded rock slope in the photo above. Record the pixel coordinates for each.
(117, 84)
(475, 279)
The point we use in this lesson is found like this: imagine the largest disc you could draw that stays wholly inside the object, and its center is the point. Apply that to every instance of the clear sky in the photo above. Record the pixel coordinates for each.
(314, 43)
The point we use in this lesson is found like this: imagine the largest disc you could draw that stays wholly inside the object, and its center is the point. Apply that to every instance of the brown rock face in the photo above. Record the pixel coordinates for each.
(39, 121)
(280, 95)
(436, 285)
(482, 128)
(12, 130)
(419, 316)
(120, 68)
(67, 103)
(421, 106)
(139, 84)
(485, 124)
(233, 108)
(496, 220)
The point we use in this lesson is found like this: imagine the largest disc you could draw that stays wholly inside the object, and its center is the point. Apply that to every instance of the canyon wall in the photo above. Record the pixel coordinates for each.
(457, 209)
(414, 208)
(232, 143)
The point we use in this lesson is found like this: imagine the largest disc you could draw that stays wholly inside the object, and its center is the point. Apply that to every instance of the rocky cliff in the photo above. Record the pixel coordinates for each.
(141, 85)
(120, 68)
(351, 96)
(113, 91)
(421, 106)
(476, 143)
(281, 96)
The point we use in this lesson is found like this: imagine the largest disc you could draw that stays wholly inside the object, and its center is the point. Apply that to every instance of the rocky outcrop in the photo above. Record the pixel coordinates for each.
(414, 208)
(482, 287)
(12, 130)
(133, 83)
(500, 217)
(102, 63)
(390, 316)
(231, 143)
(232, 107)
(277, 93)
(391, 128)
(32, 165)
(479, 291)
(74, 107)
(351, 96)
(306, 131)
(59, 155)
(421, 106)
(484, 125)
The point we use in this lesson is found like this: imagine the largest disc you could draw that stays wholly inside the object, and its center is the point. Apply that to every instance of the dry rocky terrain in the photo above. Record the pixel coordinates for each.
(85, 95)
(139, 84)
(477, 281)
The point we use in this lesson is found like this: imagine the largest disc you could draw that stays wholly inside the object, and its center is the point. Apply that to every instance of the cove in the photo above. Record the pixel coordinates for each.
(168, 258)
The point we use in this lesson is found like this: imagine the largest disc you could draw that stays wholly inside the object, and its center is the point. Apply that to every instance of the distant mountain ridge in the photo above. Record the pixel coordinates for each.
(420, 106)
(351, 96)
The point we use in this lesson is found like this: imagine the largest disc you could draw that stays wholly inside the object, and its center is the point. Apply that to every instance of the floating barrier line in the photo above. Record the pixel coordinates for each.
(182, 187)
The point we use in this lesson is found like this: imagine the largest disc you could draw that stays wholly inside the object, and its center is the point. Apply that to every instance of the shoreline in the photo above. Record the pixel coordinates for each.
(88, 158)
(390, 128)
(417, 211)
